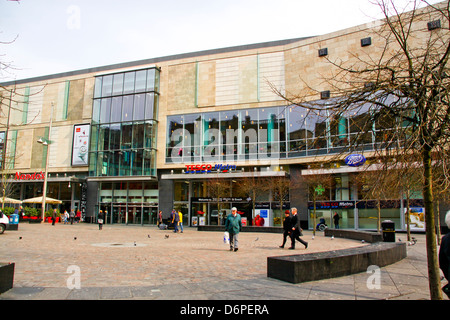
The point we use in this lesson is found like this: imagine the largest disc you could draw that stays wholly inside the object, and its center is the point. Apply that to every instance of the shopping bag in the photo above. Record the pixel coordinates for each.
(226, 237)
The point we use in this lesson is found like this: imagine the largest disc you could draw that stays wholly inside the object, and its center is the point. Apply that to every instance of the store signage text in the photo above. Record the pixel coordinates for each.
(205, 168)
(355, 160)
(229, 199)
(28, 176)
(332, 205)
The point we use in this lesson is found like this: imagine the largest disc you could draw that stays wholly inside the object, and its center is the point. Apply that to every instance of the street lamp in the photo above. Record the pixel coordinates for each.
(46, 142)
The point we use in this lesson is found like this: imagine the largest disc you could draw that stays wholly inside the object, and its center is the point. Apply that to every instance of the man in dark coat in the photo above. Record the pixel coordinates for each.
(175, 220)
(444, 256)
(287, 227)
(54, 217)
(296, 230)
(233, 225)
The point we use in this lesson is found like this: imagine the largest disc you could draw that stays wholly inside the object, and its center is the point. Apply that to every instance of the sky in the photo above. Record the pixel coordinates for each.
(43, 37)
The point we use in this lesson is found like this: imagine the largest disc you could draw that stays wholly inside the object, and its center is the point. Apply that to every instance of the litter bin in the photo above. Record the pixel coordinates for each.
(388, 228)
(13, 222)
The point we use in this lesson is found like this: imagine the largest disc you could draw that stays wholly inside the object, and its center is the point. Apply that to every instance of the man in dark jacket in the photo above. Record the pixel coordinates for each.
(175, 220)
(287, 227)
(444, 256)
(296, 230)
(233, 225)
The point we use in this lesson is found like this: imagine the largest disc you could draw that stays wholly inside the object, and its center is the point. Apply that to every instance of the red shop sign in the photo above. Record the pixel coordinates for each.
(30, 176)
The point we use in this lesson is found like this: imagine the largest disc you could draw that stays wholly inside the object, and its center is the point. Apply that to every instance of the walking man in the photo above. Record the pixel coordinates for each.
(296, 230)
(71, 216)
(180, 215)
(100, 220)
(54, 217)
(287, 227)
(233, 225)
(336, 220)
(175, 220)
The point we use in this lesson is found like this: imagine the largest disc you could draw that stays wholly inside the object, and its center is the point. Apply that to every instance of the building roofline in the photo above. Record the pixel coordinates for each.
(137, 63)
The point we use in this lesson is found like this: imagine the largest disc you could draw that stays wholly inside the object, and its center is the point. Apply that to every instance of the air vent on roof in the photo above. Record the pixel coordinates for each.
(323, 52)
(366, 42)
(436, 24)
(325, 94)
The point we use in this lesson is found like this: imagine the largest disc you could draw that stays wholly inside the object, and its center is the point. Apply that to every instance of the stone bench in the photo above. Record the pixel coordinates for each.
(367, 236)
(6, 276)
(331, 264)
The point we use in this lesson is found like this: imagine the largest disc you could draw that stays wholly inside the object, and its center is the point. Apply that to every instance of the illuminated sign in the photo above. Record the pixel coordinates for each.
(28, 176)
(206, 168)
(355, 160)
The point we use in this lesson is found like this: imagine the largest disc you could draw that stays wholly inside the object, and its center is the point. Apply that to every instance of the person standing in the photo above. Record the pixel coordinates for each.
(180, 215)
(100, 220)
(296, 230)
(175, 220)
(287, 227)
(72, 216)
(54, 217)
(66, 217)
(233, 225)
(336, 220)
(444, 256)
(159, 218)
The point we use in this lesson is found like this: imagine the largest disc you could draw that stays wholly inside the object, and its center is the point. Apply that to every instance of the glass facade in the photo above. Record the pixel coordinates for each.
(265, 133)
(133, 202)
(124, 124)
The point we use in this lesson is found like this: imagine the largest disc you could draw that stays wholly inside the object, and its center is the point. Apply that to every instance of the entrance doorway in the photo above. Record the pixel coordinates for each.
(134, 214)
(149, 215)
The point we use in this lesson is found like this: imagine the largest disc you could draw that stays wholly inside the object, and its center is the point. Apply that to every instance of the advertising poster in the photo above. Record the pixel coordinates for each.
(416, 218)
(80, 148)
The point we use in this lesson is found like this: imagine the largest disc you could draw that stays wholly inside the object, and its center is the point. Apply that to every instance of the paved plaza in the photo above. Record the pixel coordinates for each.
(135, 262)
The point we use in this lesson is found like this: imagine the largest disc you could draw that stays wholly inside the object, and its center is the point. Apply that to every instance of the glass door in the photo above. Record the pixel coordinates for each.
(118, 213)
(134, 214)
(149, 214)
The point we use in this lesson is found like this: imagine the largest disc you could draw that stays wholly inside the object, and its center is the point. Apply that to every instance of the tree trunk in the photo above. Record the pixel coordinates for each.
(432, 257)
(438, 223)
(314, 214)
(408, 226)
(379, 216)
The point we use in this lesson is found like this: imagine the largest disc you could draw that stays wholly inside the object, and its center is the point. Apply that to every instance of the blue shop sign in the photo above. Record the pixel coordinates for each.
(355, 160)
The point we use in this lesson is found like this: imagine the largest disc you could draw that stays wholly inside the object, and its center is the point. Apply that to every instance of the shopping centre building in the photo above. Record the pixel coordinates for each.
(199, 132)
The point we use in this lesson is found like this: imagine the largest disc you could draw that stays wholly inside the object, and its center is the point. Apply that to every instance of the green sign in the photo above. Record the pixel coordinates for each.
(319, 190)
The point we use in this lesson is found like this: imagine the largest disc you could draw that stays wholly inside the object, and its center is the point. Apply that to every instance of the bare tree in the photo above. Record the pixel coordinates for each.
(280, 191)
(318, 187)
(251, 186)
(402, 91)
(218, 188)
(377, 185)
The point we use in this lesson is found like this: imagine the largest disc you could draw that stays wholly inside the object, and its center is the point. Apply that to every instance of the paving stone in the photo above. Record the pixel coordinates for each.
(192, 266)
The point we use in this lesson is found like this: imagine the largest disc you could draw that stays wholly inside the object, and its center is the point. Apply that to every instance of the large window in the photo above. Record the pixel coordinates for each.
(227, 135)
(265, 133)
(124, 124)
